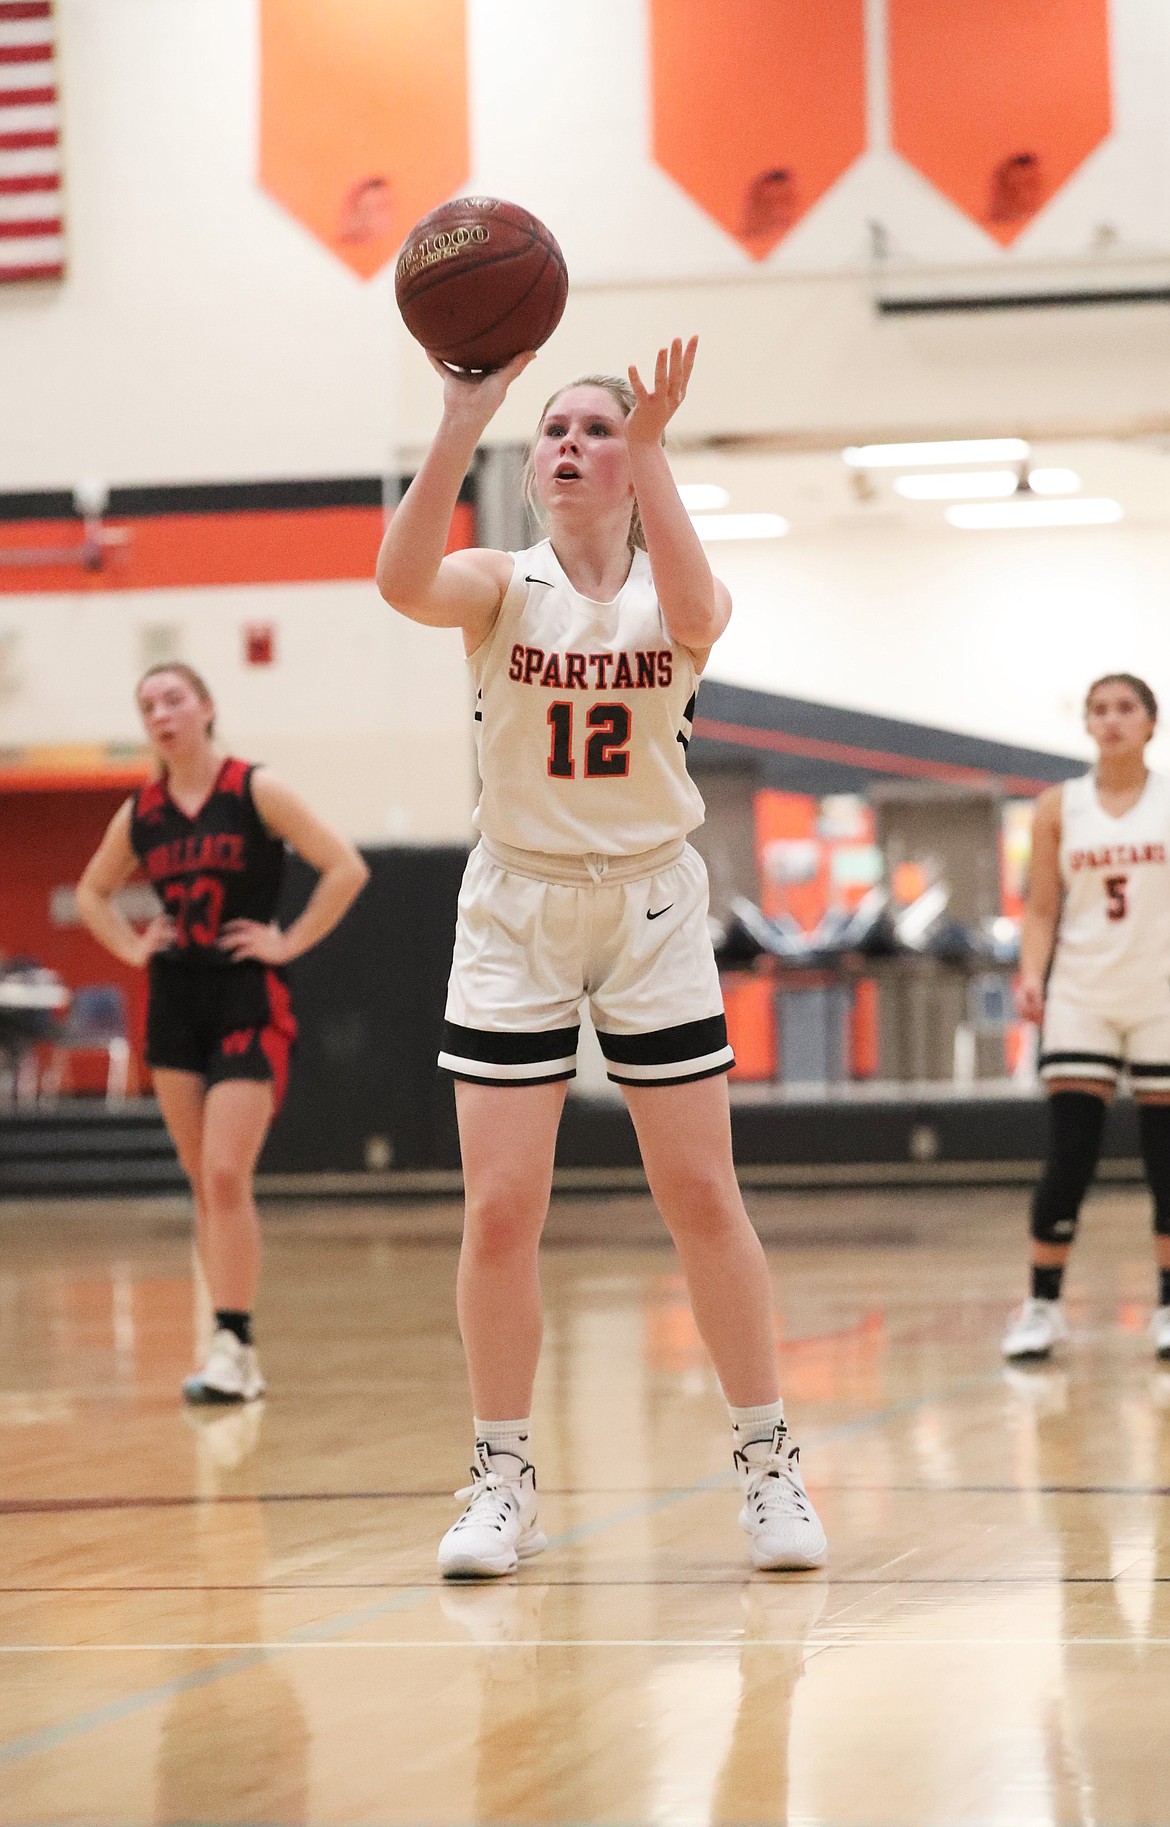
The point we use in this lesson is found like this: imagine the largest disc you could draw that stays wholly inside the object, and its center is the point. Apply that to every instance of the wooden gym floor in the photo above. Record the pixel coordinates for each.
(236, 1618)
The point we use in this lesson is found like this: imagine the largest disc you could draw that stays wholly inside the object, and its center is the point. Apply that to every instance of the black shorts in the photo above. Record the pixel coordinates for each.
(221, 1021)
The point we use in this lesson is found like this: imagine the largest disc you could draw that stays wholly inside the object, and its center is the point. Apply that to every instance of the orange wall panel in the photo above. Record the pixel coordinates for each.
(998, 102)
(758, 106)
(363, 117)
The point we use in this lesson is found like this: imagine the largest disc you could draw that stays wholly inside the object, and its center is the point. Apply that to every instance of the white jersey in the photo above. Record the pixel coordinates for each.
(583, 713)
(1113, 942)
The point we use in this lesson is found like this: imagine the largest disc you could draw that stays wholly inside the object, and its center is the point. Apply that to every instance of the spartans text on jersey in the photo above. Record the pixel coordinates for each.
(1117, 856)
(638, 671)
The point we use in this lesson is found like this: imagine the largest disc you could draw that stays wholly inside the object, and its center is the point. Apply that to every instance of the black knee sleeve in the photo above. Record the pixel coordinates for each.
(1154, 1129)
(1076, 1120)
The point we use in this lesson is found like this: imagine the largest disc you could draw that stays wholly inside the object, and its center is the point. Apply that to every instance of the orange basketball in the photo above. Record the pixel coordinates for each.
(480, 280)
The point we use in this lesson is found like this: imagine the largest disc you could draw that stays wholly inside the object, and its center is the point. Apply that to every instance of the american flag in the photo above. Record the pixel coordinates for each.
(32, 244)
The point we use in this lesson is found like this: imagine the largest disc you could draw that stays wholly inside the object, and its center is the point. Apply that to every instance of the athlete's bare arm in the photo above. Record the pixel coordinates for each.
(343, 875)
(465, 589)
(695, 606)
(110, 868)
(1042, 913)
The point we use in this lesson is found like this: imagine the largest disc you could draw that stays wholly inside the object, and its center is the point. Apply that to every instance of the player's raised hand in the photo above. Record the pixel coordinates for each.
(654, 409)
(253, 939)
(479, 396)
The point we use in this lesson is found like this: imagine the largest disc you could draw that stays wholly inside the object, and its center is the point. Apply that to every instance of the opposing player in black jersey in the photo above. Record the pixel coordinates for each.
(210, 833)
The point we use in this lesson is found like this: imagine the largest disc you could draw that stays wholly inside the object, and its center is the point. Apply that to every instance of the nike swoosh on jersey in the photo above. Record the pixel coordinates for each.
(661, 911)
(538, 580)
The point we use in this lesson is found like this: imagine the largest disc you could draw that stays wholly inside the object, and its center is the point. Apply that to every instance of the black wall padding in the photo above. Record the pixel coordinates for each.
(369, 1000)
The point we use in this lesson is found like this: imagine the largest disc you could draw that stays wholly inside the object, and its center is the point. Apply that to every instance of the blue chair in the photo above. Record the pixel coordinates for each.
(96, 1021)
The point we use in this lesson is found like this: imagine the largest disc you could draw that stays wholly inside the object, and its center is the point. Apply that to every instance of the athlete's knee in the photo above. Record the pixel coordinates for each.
(1076, 1120)
(501, 1219)
(225, 1184)
(701, 1200)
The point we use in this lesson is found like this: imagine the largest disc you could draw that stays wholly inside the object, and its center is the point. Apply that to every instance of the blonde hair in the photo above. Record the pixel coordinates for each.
(194, 679)
(622, 395)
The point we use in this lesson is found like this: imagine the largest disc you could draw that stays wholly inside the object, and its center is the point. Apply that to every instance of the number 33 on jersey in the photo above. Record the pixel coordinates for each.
(583, 715)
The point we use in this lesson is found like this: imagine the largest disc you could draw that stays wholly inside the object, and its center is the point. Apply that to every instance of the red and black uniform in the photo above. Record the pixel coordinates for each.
(208, 1013)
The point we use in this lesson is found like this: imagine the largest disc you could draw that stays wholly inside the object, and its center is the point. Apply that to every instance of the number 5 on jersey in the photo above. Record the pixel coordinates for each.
(606, 748)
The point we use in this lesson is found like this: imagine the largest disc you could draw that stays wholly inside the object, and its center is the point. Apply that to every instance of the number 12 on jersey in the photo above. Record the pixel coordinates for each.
(606, 748)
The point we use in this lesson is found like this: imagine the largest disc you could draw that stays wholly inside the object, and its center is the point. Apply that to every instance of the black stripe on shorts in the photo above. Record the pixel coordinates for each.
(666, 1046)
(1081, 1059)
(1146, 1070)
(496, 1047)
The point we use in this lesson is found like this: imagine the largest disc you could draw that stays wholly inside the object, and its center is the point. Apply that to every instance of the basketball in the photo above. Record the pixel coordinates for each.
(479, 281)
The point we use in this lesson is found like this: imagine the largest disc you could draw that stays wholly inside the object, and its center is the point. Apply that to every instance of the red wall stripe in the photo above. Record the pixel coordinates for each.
(28, 184)
(53, 270)
(28, 140)
(27, 98)
(31, 225)
(26, 53)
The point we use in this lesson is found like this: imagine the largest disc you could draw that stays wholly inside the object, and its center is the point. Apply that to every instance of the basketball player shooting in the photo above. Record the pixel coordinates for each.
(586, 651)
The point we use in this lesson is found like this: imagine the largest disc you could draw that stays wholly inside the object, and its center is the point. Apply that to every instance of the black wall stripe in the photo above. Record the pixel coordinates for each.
(763, 710)
(144, 501)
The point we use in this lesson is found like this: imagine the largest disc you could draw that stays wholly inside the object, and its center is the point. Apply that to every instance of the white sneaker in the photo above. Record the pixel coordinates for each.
(230, 1373)
(1160, 1331)
(784, 1528)
(498, 1527)
(1035, 1329)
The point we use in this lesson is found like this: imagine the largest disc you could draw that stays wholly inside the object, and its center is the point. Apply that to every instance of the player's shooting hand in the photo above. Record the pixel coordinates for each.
(653, 410)
(478, 396)
(1030, 999)
(159, 936)
(251, 939)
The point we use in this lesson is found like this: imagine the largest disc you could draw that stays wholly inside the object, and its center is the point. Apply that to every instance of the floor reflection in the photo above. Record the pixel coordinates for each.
(1109, 1757)
(234, 1747)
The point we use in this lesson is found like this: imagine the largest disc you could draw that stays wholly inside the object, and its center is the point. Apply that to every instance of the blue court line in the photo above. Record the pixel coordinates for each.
(50, 1738)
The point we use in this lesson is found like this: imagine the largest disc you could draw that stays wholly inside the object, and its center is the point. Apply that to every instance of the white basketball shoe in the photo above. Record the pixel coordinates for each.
(1160, 1331)
(498, 1528)
(784, 1529)
(230, 1372)
(1034, 1330)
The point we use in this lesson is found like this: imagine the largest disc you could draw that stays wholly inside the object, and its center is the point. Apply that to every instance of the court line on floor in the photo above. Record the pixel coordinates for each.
(281, 1645)
(51, 1506)
(113, 1712)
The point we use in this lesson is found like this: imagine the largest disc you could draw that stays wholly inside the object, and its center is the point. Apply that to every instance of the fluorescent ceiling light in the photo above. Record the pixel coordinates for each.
(1024, 513)
(952, 450)
(697, 496)
(1053, 481)
(712, 527)
(975, 485)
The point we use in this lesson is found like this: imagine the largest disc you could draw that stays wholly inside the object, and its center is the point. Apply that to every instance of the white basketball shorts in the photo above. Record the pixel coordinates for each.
(1081, 1042)
(528, 951)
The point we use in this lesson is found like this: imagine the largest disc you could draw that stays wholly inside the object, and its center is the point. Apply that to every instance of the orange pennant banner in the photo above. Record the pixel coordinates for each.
(758, 106)
(363, 117)
(998, 102)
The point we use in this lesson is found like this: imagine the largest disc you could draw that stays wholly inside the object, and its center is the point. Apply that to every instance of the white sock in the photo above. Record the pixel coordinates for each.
(750, 1425)
(505, 1436)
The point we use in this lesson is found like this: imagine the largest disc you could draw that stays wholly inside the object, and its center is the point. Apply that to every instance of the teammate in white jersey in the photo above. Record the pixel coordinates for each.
(1100, 846)
(586, 651)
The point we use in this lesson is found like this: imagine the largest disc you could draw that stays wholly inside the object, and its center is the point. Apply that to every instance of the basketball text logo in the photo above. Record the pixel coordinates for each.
(442, 246)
